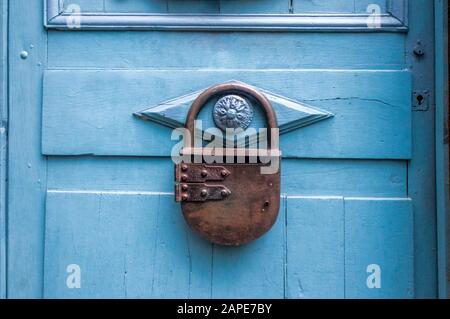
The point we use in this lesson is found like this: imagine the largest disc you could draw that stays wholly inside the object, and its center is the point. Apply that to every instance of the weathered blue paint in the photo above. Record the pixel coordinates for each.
(91, 185)
(364, 108)
(291, 115)
(442, 149)
(26, 165)
(3, 139)
(421, 168)
(379, 231)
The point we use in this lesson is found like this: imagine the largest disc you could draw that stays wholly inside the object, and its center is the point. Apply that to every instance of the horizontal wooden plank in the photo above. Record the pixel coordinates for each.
(366, 178)
(379, 245)
(225, 50)
(90, 111)
(315, 247)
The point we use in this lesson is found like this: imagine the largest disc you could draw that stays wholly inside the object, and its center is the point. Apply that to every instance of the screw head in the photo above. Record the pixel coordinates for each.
(224, 173)
(184, 197)
(184, 167)
(24, 55)
(204, 173)
(224, 193)
(184, 187)
(184, 177)
(204, 193)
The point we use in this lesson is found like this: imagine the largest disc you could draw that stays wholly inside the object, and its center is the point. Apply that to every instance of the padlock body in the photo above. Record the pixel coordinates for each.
(228, 210)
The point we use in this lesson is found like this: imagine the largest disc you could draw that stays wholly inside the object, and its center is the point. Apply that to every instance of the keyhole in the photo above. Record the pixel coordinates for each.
(420, 99)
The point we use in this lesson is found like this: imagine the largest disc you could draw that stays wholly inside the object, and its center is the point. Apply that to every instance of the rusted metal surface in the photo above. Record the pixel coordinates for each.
(200, 192)
(225, 88)
(246, 214)
(199, 173)
(229, 204)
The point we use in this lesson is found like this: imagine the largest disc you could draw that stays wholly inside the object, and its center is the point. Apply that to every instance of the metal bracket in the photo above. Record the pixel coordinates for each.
(199, 173)
(190, 182)
(200, 192)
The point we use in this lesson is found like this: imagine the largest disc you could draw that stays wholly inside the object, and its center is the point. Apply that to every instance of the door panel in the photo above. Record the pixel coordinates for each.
(94, 184)
(379, 232)
(315, 268)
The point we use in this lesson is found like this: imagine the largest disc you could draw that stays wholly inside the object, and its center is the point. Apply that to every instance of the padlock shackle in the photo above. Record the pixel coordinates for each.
(234, 87)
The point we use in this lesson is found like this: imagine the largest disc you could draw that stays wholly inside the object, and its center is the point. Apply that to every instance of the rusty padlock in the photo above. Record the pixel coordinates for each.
(229, 204)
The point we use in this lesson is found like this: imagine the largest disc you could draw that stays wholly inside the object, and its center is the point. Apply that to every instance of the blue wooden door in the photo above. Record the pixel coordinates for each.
(91, 204)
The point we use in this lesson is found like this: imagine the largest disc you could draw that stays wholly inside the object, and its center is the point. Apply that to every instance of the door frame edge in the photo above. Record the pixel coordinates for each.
(442, 146)
(3, 143)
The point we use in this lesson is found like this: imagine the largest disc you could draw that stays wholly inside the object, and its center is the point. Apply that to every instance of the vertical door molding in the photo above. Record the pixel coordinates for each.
(26, 165)
(442, 147)
(3, 139)
(422, 168)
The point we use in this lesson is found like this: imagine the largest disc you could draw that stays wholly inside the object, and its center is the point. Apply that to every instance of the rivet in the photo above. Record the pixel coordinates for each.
(184, 197)
(204, 173)
(24, 55)
(184, 167)
(204, 193)
(224, 173)
(224, 193)
(184, 187)
(184, 177)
